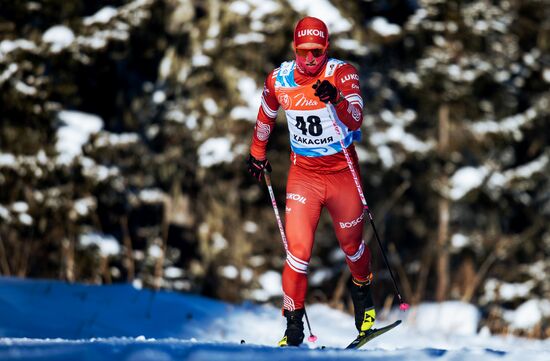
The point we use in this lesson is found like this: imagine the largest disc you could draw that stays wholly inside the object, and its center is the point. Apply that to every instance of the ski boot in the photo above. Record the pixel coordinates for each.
(294, 334)
(363, 305)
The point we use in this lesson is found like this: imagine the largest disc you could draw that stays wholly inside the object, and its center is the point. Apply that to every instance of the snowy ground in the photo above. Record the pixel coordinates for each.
(46, 320)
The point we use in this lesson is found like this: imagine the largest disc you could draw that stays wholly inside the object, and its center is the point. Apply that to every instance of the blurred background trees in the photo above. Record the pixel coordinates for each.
(125, 125)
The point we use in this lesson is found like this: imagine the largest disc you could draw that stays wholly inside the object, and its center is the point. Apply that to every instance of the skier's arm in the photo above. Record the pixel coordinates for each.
(266, 119)
(349, 103)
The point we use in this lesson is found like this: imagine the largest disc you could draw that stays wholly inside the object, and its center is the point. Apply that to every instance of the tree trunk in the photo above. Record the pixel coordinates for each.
(105, 272)
(442, 251)
(159, 264)
(67, 247)
(129, 250)
(4, 264)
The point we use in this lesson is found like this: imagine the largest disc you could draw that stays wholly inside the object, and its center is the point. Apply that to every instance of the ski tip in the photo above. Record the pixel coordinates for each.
(312, 338)
(404, 306)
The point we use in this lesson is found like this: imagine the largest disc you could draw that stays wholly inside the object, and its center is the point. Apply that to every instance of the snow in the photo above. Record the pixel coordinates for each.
(319, 276)
(107, 139)
(504, 291)
(528, 314)
(75, 132)
(256, 261)
(250, 227)
(191, 121)
(537, 270)
(509, 125)
(402, 119)
(459, 241)
(103, 16)
(465, 180)
(25, 89)
(51, 320)
(137, 284)
(247, 275)
(242, 112)
(8, 46)
(165, 65)
(502, 76)
(215, 151)
(324, 10)
(210, 106)
(101, 38)
(384, 28)
(154, 251)
(97, 172)
(481, 26)
(175, 115)
(352, 45)
(83, 206)
(4, 213)
(250, 93)
(20, 207)
(386, 156)
(417, 17)
(7, 160)
(270, 283)
(239, 7)
(107, 244)
(173, 272)
(200, 60)
(94, 42)
(25, 219)
(397, 134)
(521, 172)
(219, 243)
(230, 272)
(451, 317)
(263, 8)
(7, 74)
(242, 39)
(59, 37)
(152, 195)
(529, 169)
(159, 97)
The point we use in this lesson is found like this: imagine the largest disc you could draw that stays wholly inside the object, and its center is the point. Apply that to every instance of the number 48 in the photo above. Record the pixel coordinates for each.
(313, 125)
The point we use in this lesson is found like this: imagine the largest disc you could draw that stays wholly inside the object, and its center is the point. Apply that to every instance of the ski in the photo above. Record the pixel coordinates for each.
(371, 334)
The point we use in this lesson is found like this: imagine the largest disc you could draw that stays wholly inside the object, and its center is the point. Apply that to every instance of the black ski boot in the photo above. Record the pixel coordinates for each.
(294, 334)
(363, 305)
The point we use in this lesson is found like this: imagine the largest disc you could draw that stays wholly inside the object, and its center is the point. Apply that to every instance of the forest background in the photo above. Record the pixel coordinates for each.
(125, 126)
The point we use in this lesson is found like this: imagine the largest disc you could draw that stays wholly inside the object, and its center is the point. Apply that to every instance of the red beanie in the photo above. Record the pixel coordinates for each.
(310, 30)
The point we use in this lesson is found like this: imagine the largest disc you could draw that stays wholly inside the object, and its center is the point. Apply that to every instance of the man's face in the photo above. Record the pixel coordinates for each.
(310, 57)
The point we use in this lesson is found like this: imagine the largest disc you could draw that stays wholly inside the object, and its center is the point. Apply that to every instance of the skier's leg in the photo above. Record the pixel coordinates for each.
(303, 208)
(302, 211)
(346, 210)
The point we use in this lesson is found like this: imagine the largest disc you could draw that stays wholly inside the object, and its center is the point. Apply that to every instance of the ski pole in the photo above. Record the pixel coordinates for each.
(275, 208)
(402, 304)
(312, 337)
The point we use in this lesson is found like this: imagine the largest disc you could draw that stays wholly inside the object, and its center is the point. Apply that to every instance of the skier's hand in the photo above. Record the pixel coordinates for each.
(326, 91)
(256, 167)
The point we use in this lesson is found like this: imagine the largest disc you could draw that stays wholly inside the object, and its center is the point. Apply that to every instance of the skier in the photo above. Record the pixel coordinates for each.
(319, 175)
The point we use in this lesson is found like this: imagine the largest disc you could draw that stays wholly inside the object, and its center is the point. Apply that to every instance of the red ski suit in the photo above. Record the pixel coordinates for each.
(319, 174)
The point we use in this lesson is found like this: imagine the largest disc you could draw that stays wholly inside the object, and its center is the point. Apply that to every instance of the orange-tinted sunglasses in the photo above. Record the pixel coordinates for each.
(317, 52)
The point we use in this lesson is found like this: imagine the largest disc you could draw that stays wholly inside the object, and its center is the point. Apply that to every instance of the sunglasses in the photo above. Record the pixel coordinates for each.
(315, 52)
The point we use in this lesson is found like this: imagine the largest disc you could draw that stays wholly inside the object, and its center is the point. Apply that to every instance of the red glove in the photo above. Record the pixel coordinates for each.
(326, 91)
(256, 167)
